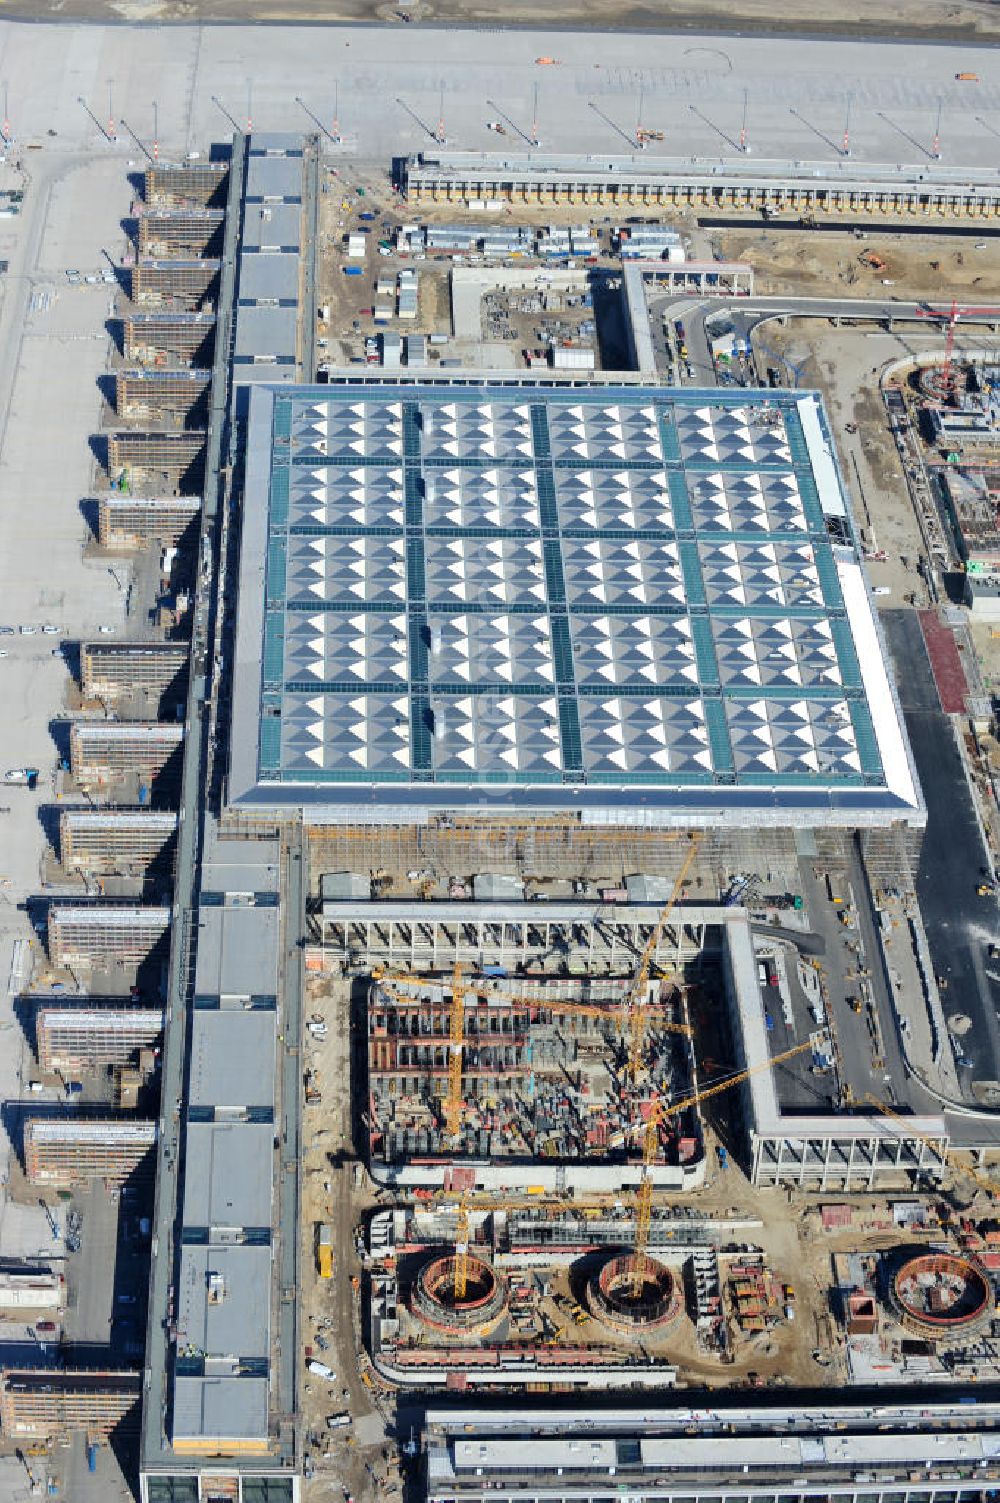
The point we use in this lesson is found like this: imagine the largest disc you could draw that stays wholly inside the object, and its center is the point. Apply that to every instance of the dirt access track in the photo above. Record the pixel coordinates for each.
(974, 21)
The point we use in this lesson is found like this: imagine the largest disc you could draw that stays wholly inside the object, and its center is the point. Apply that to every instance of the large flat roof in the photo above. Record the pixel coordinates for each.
(232, 1057)
(228, 1174)
(237, 951)
(223, 1301)
(600, 599)
(219, 1408)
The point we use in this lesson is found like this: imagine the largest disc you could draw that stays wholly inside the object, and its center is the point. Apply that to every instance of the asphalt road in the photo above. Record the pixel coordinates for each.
(959, 924)
(744, 315)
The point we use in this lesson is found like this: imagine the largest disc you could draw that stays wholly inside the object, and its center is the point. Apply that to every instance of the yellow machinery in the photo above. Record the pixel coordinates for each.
(945, 1155)
(651, 1142)
(635, 1002)
(644, 1195)
(324, 1251)
(456, 1033)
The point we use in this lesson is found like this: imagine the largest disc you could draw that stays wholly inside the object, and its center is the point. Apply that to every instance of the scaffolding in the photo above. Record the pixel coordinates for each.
(46, 1403)
(181, 185)
(102, 749)
(93, 935)
(66, 1154)
(553, 846)
(197, 234)
(119, 840)
(110, 669)
(148, 337)
(127, 524)
(73, 1040)
(152, 394)
(187, 284)
(177, 459)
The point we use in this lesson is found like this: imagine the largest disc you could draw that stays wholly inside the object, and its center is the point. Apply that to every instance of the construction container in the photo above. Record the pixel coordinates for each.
(325, 1253)
(572, 359)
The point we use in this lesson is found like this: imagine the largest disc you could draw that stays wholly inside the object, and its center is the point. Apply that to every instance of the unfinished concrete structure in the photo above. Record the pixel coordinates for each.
(634, 1297)
(105, 935)
(942, 1297)
(109, 670)
(544, 1090)
(179, 185)
(118, 840)
(67, 1155)
(847, 189)
(175, 284)
(105, 749)
(128, 523)
(822, 1149)
(184, 233)
(74, 1039)
(44, 1403)
(151, 336)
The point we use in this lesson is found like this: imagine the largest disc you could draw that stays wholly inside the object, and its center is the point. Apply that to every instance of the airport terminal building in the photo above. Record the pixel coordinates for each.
(628, 606)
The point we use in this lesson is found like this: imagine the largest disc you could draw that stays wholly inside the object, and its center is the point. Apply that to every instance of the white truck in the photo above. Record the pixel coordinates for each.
(322, 1371)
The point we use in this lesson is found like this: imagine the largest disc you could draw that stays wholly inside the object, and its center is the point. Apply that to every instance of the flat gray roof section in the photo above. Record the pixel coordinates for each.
(233, 1058)
(266, 277)
(237, 951)
(229, 1174)
(643, 604)
(223, 1301)
(239, 865)
(272, 227)
(266, 332)
(219, 1408)
(274, 178)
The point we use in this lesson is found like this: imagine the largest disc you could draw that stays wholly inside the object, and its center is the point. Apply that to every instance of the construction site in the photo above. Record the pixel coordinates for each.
(504, 866)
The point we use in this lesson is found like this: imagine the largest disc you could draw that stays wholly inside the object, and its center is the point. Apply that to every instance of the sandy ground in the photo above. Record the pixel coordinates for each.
(816, 263)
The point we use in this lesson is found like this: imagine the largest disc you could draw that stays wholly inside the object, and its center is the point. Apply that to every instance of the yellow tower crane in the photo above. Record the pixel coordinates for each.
(651, 1142)
(644, 1195)
(460, 988)
(635, 1001)
(946, 1155)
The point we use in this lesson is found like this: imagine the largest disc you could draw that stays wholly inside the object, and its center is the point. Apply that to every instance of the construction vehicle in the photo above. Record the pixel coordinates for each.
(986, 890)
(546, 62)
(643, 135)
(53, 1223)
(872, 261)
(324, 1249)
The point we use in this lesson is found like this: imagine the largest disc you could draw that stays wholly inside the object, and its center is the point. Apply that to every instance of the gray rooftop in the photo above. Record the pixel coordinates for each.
(237, 951)
(219, 1407)
(268, 276)
(274, 178)
(591, 598)
(272, 227)
(223, 1301)
(228, 1174)
(266, 333)
(232, 1057)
